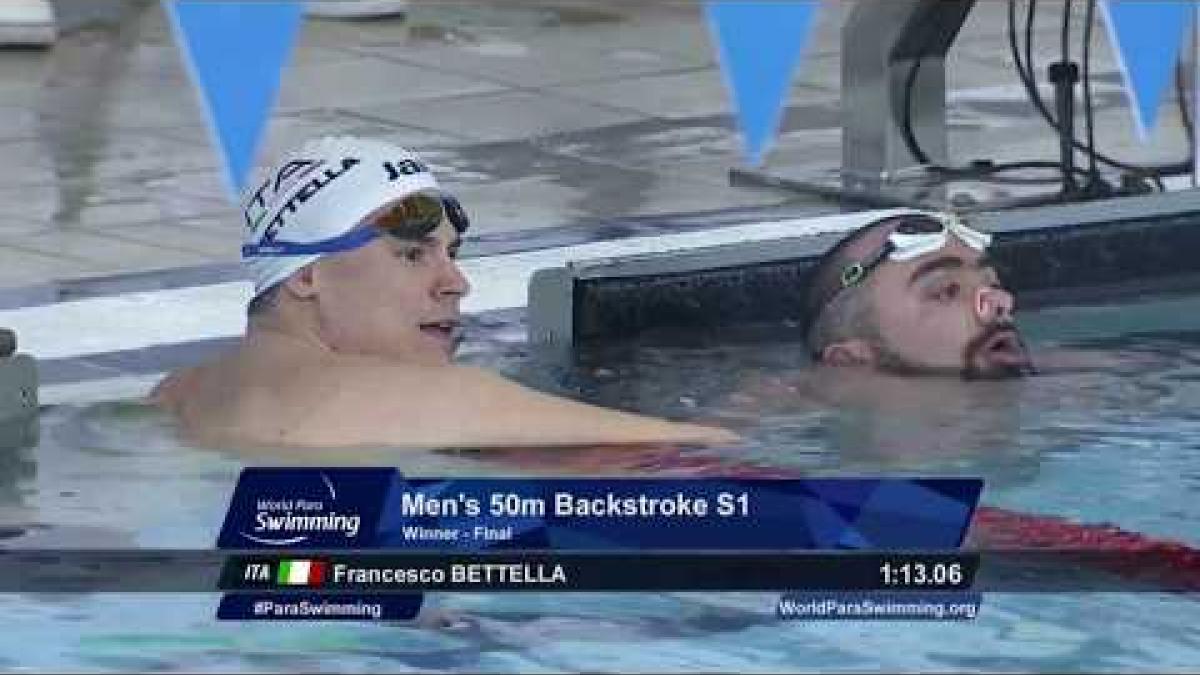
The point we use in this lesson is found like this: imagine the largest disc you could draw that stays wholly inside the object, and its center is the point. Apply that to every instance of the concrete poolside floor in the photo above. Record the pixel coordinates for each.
(537, 113)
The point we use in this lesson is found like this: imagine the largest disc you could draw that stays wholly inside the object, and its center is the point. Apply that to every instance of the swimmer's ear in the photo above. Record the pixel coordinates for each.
(302, 284)
(852, 352)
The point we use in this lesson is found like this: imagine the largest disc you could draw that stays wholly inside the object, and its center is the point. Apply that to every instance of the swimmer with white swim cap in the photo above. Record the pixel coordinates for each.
(351, 245)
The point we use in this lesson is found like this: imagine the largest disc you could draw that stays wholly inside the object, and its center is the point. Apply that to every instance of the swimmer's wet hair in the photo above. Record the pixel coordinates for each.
(397, 219)
(832, 313)
(264, 302)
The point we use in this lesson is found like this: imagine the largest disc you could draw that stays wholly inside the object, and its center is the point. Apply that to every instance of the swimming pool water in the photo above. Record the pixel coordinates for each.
(1113, 437)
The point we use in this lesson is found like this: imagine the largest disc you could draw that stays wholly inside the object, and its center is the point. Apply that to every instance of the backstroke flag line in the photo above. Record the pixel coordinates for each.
(235, 53)
(759, 45)
(236, 50)
(1146, 36)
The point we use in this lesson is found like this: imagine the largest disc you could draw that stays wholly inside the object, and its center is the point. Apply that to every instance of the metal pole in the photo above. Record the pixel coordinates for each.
(882, 41)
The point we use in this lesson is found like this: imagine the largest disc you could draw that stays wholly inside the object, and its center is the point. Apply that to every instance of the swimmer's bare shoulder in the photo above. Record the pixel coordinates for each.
(348, 401)
(369, 402)
(213, 404)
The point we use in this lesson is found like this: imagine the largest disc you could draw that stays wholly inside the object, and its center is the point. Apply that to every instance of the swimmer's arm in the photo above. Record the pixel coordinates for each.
(456, 406)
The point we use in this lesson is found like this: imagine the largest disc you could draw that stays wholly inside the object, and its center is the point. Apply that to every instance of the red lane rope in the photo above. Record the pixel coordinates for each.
(1154, 561)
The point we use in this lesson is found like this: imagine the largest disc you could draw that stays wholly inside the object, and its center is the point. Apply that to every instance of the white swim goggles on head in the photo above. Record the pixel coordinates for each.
(914, 235)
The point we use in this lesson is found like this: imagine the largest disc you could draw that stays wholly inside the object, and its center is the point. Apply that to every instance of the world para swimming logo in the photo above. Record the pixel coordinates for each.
(304, 508)
(277, 520)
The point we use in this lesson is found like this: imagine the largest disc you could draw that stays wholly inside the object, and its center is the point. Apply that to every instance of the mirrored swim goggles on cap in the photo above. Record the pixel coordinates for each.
(915, 235)
(413, 216)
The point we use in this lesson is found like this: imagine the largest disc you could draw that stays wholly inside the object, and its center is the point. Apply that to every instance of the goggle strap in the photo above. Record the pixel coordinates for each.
(352, 239)
(347, 241)
(854, 273)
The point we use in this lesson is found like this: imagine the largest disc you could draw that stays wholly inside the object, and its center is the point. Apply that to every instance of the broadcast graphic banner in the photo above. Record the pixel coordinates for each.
(365, 509)
(315, 607)
(302, 527)
(1158, 569)
(415, 572)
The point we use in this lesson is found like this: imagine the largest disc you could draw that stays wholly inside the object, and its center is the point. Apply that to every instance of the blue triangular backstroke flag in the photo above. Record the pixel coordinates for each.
(1146, 36)
(759, 45)
(235, 52)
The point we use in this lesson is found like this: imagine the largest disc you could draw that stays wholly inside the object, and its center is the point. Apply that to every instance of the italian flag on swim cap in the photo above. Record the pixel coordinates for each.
(320, 191)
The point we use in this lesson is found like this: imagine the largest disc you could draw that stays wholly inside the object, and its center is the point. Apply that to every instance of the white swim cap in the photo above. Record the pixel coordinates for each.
(317, 193)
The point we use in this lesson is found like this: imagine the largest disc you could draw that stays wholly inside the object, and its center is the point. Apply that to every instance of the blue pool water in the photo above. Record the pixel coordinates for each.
(1111, 435)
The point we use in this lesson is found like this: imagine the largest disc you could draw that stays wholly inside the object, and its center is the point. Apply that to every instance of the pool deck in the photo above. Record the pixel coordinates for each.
(556, 122)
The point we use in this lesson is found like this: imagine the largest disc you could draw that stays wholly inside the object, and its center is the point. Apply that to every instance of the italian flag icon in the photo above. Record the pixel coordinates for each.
(300, 573)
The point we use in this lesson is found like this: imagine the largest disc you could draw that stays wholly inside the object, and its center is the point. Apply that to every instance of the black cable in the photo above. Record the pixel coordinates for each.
(1065, 35)
(977, 170)
(1089, 113)
(1026, 73)
(987, 170)
(1065, 32)
(1181, 96)
(1030, 72)
(910, 137)
(1066, 120)
(1030, 75)
(1015, 50)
